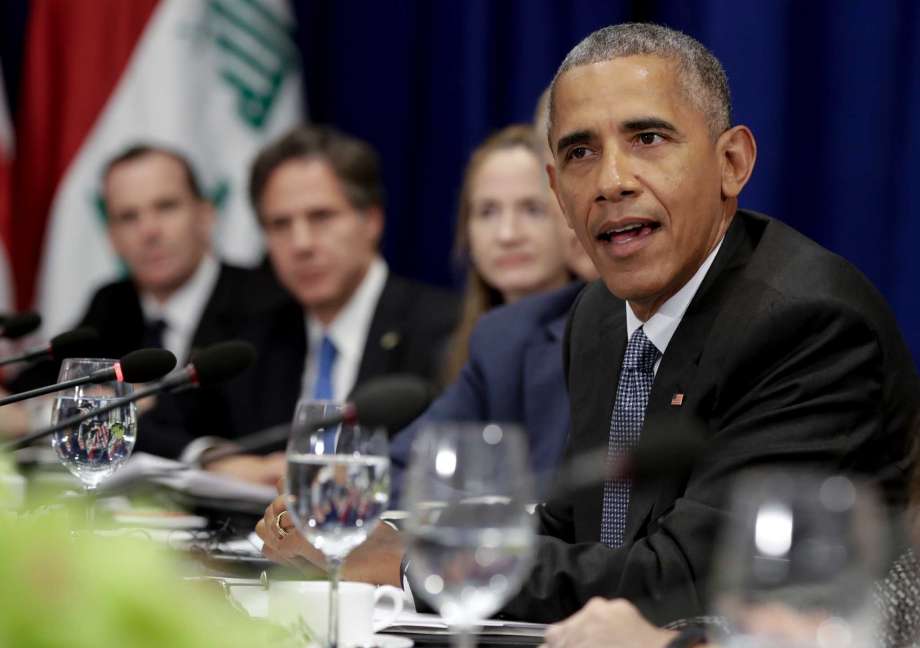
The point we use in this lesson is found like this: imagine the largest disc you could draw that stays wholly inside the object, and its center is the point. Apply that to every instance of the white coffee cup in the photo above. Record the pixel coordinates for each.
(294, 604)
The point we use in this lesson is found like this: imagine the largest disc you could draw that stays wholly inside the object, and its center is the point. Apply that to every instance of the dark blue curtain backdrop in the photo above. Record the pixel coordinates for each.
(831, 89)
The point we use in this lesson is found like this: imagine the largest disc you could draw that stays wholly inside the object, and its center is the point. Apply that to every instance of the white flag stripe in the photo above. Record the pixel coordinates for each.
(174, 92)
(7, 148)
(7, 138)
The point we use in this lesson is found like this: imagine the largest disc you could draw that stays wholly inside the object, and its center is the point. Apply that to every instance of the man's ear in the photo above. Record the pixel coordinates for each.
(737, 152)
(207, 219)
(374, 217)
(554, 185)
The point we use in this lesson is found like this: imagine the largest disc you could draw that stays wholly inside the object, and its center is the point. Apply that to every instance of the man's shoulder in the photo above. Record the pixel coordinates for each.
(798, 270)
(117, 292)
(411, 291)
(248, 290)
(415, 303)
(533, 312)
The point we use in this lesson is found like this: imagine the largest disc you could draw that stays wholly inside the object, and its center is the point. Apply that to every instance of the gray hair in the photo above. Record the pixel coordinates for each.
(704, 80)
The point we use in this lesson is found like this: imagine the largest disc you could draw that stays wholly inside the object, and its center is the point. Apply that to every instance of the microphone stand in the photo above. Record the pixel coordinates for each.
(47, 389)
(271, 437)
(165, 385)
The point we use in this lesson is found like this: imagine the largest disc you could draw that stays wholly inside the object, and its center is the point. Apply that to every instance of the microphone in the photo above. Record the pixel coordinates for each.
(19, 324)
(138, 366)
(72, 344)
(390, 402)
(213, 365)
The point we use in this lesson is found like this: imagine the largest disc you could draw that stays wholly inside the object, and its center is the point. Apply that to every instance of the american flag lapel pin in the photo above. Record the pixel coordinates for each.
(677, 399)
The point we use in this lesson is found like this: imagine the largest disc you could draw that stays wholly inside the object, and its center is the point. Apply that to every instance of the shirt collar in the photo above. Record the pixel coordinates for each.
(183, 309)
(348, 330)
(661, 326)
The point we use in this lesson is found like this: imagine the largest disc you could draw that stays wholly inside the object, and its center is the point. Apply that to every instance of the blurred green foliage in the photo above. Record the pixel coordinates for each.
(62, 589)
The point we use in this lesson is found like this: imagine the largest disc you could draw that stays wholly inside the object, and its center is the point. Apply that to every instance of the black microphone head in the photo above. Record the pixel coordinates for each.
(78, 343)
(392, 401)
(145, 365)
(222, 361)
(19, 324)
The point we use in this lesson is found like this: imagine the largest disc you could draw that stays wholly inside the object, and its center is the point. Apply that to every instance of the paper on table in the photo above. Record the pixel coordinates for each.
(143, 467)
(410, 621)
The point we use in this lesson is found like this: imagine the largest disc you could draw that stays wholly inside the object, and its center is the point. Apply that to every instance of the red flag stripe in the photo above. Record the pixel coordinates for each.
(76, 51)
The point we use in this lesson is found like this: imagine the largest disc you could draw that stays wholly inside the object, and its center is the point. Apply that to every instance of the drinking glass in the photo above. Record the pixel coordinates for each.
(95, 448)
(338, 484)
(471, 538)
(796, 567)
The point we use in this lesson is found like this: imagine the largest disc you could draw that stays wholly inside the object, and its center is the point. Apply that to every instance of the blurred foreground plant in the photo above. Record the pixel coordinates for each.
(86, 591)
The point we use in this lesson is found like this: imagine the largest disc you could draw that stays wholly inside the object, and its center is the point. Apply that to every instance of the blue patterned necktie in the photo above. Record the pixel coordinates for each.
(636, 378)
(322, 388)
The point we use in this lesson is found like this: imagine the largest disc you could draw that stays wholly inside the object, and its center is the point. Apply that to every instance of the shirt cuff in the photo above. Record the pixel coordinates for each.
(193, 452)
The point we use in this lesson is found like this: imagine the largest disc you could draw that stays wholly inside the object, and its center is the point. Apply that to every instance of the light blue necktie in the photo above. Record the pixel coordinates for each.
(636, 378)
(322, 388)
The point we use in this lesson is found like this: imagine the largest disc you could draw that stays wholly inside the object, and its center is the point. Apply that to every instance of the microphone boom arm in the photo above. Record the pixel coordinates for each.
(21, 442)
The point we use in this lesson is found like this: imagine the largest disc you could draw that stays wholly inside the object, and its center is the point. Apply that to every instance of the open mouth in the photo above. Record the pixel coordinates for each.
(628, 233)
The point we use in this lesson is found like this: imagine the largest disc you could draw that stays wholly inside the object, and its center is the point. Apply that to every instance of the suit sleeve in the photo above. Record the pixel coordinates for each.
(464, 400)
(802, 385)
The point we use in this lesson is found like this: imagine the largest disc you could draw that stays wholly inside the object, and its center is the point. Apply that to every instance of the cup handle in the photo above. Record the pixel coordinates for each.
(396, 597)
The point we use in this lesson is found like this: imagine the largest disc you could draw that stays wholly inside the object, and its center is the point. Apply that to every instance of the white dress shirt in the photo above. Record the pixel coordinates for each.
(660, 327)
(183, 309)
(348, 332)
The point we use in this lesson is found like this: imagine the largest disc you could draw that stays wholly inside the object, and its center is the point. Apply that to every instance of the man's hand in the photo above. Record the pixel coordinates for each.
(289, 549)
(611, 624)
(14, 418)
(255, 469)
(376, 561)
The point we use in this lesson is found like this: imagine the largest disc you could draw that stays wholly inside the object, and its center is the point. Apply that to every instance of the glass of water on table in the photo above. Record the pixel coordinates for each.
(96, 448)
(471, 537)
(338, 484)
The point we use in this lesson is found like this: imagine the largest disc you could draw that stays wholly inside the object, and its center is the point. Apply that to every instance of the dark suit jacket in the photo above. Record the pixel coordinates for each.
(407, 335)
(786, 354)
(115, 311)
(514, 375)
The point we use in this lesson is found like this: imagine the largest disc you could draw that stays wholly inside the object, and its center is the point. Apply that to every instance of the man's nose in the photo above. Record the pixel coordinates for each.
(150, 226)
(616, 179)
(302, 236)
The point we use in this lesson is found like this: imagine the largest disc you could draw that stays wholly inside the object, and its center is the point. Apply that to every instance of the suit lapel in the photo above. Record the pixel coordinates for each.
(213, 320)
(597, 408)
(541, 378)
(672, 407)
(385, 336)
(280, 378)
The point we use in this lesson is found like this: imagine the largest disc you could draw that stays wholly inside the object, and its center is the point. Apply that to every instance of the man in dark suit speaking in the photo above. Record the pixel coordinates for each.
(708, 320)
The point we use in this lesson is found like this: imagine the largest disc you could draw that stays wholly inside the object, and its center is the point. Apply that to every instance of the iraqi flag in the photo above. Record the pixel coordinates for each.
(6, 203)
(212, 79)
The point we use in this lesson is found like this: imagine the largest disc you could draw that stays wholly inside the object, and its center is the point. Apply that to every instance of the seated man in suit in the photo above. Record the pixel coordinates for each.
(177, 294)
(708, 319)
(346, 318)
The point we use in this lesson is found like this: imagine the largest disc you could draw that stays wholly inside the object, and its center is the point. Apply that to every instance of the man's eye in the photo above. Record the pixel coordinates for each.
(647, 139)
(277, 225)
(578, 153)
